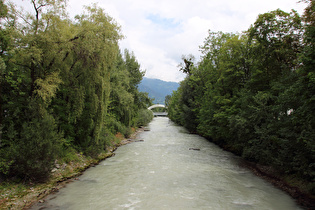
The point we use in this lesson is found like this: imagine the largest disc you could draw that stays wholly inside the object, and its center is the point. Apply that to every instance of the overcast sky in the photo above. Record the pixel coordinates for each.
(159, 32)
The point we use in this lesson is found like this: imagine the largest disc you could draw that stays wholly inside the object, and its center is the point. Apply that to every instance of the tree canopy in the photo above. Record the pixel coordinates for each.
(253, 92)
(65, 86)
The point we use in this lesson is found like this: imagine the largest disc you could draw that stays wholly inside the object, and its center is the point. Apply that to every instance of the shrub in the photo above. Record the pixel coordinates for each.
(144, 117)
(34, 152)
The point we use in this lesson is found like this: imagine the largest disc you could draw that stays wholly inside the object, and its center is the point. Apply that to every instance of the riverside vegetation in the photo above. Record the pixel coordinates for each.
(67, 92)
(253, 94)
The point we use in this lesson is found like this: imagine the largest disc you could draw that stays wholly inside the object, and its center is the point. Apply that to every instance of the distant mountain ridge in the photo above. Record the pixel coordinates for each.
(157, 89)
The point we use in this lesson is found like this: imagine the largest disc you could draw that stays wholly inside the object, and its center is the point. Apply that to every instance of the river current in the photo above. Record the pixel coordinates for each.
(168, 171)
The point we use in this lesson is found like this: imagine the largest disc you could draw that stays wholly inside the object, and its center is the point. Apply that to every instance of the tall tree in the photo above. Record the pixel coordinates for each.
(89, 55)
(275, 38)
(253, 93)
(58, 79)
(29, 85)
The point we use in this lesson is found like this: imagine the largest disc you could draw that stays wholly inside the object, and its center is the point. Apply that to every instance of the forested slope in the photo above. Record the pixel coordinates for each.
(253, 93)
(65, 87)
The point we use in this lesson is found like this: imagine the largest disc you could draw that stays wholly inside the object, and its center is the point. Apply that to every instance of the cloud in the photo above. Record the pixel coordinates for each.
(165, 23)
(159, 32)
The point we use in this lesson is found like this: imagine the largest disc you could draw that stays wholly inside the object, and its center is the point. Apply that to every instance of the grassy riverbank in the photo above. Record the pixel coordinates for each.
(16, 194)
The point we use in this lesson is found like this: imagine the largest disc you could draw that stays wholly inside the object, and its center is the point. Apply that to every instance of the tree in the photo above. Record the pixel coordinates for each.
(134, 70)
(298, 102)
(224, 72)
(136, 75)
(89, 57)
(167, 100)
(64, 85)
(253, 93)
(188, 64)
(28, 86)
(275, 39)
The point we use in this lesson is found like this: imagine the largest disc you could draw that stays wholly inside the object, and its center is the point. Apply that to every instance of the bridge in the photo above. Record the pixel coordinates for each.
(158, 114)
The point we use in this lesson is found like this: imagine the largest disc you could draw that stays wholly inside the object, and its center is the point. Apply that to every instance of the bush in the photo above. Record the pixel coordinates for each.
(34, 153)
(144, 117)
(114, 126)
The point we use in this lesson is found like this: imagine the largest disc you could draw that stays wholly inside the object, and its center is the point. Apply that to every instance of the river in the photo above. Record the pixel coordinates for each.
(162, 172)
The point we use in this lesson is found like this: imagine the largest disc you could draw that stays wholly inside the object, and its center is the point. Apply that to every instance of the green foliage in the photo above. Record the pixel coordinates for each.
(3, 9)
(145, 116)
(115, 126)
(133, 68)
(275, 40)
(253, 93)
(174, 106)
(35, 151)
(167, 100)
(64, 87)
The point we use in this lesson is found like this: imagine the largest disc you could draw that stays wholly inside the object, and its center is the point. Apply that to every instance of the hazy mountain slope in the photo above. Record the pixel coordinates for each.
(157, 89)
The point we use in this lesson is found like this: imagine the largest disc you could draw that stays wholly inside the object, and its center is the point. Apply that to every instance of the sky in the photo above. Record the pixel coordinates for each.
(159, 32)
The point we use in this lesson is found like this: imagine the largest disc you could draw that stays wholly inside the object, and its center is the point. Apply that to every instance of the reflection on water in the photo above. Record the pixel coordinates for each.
(162, 172)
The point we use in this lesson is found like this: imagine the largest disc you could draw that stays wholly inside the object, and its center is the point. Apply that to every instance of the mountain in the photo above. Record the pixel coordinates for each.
(157, 89)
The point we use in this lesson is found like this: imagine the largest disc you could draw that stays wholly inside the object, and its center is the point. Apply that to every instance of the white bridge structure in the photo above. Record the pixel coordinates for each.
(156, 114)
(156, 106)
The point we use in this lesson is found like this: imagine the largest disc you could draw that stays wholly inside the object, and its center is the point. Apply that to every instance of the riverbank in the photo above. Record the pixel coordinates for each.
(17, 195)
(297, 190)
(293, 186)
